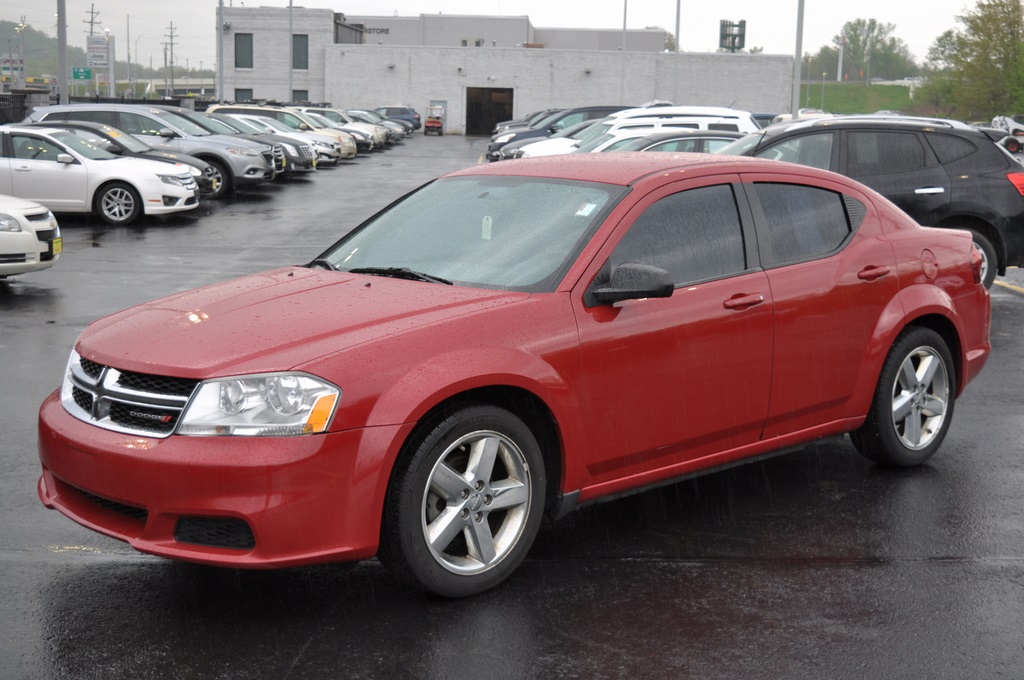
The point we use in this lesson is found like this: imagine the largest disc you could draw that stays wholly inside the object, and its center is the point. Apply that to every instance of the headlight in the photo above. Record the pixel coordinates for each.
(245, 152)
(9, 223)
(504, 138)
(289, 149)
(276, 404)
(172, 179)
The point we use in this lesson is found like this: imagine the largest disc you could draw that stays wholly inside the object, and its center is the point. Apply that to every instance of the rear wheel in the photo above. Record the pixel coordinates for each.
(989, 263)
(465, 503)
(118, 203)
(913, 403)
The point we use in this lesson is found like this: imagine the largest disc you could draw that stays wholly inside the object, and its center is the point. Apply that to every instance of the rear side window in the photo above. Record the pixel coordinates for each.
(694, 235)
(948, 148)
(105, 117)
(134, 124)
(873, 153)
(799, 222)
(814, 150)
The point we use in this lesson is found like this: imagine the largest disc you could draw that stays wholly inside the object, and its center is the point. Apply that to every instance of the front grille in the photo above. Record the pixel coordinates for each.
(306, 151)
(113, 506)
(39, 217)
(45, 235)
(217, 532)
(129, 402)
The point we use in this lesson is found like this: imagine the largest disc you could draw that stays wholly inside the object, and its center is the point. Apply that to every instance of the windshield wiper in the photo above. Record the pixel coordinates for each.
(400, 273)
(321, 262)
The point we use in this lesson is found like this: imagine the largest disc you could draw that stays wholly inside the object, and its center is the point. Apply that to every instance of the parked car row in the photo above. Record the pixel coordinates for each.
(122, 161)
(609, 125)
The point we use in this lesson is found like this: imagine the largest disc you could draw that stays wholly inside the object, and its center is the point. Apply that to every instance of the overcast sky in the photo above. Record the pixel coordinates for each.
(770, 24)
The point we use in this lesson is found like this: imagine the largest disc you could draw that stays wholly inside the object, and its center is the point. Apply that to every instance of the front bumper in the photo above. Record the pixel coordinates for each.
(253, 502)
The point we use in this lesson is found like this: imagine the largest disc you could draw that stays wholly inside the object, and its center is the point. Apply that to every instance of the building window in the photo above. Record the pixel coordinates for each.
(300, 95)
(243, 95)
(243, 50)
(300, 52)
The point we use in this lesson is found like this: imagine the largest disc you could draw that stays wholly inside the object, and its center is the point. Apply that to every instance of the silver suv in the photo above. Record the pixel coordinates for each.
(238, 162)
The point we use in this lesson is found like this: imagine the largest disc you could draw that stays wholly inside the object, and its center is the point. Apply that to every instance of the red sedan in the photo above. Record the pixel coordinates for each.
(510, 342)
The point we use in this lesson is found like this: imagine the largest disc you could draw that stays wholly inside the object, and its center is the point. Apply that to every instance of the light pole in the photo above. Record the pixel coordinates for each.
(130, 62)
(823, 74)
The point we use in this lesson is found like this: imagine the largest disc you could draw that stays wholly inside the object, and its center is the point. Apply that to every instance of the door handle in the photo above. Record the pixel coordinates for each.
(929, 190)
(742, 301)
(872, 273)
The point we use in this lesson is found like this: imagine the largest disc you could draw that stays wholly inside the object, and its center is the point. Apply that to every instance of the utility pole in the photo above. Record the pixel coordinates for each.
(93, 18)
(170, 36)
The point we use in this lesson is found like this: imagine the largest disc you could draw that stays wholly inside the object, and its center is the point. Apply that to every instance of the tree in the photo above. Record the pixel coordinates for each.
(870, 51)
(979, 67)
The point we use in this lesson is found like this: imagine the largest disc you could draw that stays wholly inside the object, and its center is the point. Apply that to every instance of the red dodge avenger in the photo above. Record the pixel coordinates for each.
(507, 343)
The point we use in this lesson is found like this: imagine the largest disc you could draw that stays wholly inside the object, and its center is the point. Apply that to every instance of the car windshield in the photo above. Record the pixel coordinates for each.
(372, 116)
(596, 130)
(219, 126)
(584, 146)
(272, 123)
(323, 121)
(184, 124)
(335, 116)
(511, 233)
(241, 125)
(88, 149)
(742, 145)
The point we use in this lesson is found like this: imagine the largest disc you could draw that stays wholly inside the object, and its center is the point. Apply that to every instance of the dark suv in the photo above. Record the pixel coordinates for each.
(942, 173)
(549, 125)
(401, 113)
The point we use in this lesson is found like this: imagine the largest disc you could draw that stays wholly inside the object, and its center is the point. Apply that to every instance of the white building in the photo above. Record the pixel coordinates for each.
(482, 69)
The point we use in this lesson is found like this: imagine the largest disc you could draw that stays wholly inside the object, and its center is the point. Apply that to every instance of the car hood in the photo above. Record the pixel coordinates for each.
(273, 321)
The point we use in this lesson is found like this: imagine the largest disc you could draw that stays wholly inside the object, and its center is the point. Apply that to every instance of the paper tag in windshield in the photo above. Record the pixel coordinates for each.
(485, 228)
(586, 209)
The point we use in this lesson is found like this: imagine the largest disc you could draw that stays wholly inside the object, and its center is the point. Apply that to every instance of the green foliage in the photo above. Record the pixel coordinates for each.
(870, 51)
(978, 68)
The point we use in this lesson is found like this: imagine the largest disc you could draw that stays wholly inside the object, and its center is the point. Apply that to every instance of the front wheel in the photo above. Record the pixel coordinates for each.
(913, 403)
(118, 203)
(466, 502)
(221, 179)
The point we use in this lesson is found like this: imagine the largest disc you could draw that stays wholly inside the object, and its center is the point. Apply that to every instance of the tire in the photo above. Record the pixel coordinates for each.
(117, 203)
(913, 403)
(990, 262)
(221, 179)
(465, 502)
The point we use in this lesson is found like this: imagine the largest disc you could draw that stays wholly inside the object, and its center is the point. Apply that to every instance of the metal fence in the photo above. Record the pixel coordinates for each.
(13, 108)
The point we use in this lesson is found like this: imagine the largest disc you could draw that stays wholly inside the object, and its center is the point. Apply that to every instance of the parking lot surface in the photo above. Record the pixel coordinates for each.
(816, 564)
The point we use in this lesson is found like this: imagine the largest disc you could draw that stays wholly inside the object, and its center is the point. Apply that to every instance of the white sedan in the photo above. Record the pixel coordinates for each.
(66, 173)
(29, 237)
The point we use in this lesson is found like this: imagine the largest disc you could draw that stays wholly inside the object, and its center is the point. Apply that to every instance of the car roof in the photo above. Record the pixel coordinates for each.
(628, 167)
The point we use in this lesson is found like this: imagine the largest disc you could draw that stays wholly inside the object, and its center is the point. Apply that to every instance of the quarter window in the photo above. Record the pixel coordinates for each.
(949, 148)
(799, 222)
(694, 235)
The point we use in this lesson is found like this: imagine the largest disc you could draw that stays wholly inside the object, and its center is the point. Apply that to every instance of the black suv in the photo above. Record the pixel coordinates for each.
(548, 125)
(942, 173)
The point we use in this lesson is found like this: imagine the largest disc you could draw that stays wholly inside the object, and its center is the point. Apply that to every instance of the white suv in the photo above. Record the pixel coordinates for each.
(29, 237)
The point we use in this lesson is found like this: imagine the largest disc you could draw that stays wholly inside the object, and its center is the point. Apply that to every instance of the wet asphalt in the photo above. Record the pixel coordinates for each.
(816, 564)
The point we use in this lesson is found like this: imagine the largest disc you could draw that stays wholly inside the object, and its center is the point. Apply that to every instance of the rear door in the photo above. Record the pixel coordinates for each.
(902, 167)
(832, 273)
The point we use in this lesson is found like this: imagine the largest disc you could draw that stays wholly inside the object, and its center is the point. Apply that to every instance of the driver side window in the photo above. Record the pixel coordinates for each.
(694, 235)
(34, 148)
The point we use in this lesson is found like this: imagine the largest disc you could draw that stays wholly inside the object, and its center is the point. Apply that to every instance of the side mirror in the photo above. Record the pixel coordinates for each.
(633, 281)
(114, 149)
(167, 132)
(304, 127)
(65, 158)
